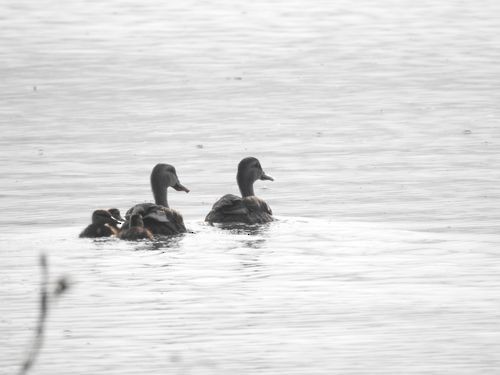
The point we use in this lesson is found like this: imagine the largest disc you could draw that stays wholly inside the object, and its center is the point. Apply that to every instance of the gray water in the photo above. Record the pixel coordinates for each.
(378, 121)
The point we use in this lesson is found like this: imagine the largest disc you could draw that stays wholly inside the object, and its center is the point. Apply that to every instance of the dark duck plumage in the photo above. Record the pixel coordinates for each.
(103, 225)
(158, 217)
(248, 208)
(136, 230)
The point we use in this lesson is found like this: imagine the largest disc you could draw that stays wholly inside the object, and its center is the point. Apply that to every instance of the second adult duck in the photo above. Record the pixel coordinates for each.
(158, 217)
(248, 209)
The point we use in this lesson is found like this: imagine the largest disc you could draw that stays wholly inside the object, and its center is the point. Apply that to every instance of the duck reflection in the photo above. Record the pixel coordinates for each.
(255, 234)
(160, 243)
(249, 246)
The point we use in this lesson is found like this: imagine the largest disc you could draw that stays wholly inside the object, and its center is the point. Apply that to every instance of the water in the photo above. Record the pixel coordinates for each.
(379, 123)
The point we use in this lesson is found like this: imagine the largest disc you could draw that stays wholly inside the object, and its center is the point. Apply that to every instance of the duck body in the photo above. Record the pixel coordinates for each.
(136, 231)
(98, 230)
(103, 225)
(158, 217)
(247, 209)
(233, 209)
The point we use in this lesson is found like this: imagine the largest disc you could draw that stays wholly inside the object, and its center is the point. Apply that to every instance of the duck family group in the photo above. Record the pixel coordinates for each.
(145, 220)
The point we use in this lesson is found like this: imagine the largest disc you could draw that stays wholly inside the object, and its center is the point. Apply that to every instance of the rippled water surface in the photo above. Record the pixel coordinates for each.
(378, 121)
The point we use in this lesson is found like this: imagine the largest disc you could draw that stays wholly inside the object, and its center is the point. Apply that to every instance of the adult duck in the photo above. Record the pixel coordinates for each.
(103, 225)
(136, 230)
(158, 217)
(248, 208)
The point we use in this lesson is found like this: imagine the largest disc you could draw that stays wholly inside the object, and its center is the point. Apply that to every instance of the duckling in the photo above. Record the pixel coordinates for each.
(115, 213)
(248, 209)
(136, 230)
(158, 217)
(103, 225)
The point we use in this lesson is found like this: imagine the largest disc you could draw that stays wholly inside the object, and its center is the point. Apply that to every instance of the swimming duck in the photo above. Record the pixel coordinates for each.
(136, 230)
(115, 213)
(103, 225)
(158, 217)
(248, 209)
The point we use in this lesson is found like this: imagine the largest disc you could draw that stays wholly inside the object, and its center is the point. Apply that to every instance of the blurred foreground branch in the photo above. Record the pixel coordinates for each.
(45, 303)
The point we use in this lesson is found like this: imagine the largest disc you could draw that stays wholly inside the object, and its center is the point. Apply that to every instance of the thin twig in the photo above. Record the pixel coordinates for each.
(37, 343)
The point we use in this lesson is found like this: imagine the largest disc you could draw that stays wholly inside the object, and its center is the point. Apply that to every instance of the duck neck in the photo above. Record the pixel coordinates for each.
(159, 188)
(246, 186)
(161, 196)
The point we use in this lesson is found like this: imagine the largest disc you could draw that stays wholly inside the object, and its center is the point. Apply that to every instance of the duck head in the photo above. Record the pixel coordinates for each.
(115, 213)
(249, 171)
(102, 217)
(162, 177)
(136, 221)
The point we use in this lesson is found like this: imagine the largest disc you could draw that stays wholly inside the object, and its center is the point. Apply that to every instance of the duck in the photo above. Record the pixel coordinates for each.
(247, 209)
(103, 225)
(158, 217)
(136, 230)
(115, 213)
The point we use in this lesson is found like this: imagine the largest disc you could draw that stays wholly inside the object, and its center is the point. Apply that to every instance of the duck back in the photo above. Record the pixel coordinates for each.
(157, 219)
(233, 209)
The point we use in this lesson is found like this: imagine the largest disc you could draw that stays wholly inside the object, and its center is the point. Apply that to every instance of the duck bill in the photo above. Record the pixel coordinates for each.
(119, 219)
(180, 187)
(115, 214)
(115, 221)
(266, 177)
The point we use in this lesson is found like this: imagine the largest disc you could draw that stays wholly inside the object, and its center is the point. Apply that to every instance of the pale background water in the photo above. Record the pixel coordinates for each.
(379, 122)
